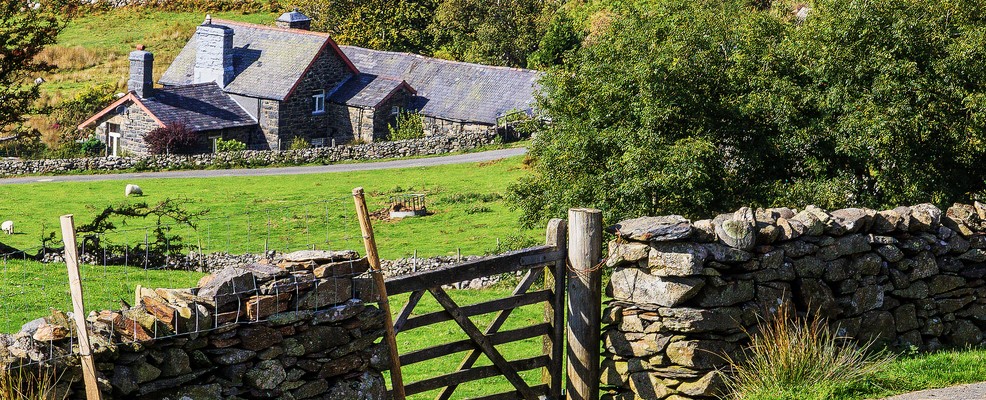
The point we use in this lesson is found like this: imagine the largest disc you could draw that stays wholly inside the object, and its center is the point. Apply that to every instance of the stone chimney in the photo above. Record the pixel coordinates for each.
(213, 53)
(141, 81)
(294, 20)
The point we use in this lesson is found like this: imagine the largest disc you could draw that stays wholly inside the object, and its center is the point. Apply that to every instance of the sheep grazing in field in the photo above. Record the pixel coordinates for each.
(134, 190)
(7, 227)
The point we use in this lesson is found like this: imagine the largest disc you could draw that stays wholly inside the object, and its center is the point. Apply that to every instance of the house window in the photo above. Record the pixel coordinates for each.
(395, 110)
(319, 98)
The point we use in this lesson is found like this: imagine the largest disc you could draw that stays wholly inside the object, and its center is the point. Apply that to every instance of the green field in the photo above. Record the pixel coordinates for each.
(288, 213)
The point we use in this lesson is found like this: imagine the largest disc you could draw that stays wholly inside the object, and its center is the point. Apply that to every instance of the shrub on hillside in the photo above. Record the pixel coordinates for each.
(175, 138)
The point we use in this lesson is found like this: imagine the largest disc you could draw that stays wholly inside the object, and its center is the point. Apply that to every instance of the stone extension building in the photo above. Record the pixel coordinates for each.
(267, 85)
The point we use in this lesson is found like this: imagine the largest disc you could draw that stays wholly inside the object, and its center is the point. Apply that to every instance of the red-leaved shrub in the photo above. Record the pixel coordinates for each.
(174, 138)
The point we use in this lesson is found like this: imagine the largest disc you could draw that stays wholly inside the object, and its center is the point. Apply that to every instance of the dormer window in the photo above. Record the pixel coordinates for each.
(319, 102)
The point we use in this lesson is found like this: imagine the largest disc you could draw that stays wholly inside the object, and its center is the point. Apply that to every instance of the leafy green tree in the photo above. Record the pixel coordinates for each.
(25, 29)
(560, 38)
(500, 32)
(375, 24)
(700, 107)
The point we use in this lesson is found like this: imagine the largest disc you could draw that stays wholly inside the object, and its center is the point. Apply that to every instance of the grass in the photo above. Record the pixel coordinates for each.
(249, 214)
(85, 59)
(30, 289)
(446, 332)
(799, 358)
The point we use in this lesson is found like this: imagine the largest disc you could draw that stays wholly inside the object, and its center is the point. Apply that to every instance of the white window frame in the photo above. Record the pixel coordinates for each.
(395, 110)
(319, 102)
(113, 139)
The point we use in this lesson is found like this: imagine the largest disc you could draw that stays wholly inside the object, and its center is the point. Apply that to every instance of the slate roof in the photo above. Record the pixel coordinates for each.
(201, 107)
(267, 61)
(365, 90)
(453, 90)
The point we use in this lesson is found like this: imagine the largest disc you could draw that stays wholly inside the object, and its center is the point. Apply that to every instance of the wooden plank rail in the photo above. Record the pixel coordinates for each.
(513, 261)
(541, 390)
(513, 335)
(473, 374)
(506, 303)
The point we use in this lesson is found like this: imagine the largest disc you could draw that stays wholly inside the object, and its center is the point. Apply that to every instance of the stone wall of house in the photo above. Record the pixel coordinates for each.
(431, 145)
(356, 124)
(297, 328)
(134, 123)
(685, 292)
(269, 122)
(384, 115)
(440, 127)
(296, 112)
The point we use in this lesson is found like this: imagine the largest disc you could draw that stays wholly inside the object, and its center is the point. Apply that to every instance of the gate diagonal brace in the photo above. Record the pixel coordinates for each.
(477, 337)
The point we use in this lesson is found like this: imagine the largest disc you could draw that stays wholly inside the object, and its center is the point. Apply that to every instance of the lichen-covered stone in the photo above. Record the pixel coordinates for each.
(637, 285)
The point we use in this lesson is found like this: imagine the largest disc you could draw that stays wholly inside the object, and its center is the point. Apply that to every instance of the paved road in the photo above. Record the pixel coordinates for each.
(964, 392)
(366, 166)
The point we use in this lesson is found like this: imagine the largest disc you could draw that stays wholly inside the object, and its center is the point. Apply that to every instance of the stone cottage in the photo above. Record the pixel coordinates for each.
(266, 85)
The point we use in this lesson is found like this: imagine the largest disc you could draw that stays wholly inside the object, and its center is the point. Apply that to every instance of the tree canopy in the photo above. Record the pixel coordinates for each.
(25, 29)
(700, 107)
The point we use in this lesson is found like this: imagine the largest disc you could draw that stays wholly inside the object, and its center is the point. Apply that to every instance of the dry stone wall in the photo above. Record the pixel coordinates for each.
(297, 328)
(430, 145)
(685, 292)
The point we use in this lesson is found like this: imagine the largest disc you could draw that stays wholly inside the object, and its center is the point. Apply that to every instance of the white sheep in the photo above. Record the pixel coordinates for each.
(7, 227)
(134, 190)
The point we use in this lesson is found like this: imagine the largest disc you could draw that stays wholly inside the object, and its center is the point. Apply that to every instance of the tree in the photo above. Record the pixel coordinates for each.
(375, 24)
(175, 138)
(500, 32)
(700, 107)
(25, 29)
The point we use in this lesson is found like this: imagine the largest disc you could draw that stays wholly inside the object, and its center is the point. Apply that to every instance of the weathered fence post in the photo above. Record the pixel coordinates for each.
(396, 379)
(554, 311)
(585, 240)
(78, 307)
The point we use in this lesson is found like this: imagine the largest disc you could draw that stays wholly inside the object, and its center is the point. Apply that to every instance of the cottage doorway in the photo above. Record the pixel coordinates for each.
(113, 139)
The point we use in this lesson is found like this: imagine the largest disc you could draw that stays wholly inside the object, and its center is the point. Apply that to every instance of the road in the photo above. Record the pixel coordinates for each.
(317, 169)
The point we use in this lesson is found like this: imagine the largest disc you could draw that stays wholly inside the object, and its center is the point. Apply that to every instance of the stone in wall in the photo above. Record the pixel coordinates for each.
(684, 293)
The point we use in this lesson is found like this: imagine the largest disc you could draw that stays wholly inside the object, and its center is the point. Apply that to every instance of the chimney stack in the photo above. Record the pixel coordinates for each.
(294, 20)
(141, 81)
(213, 53)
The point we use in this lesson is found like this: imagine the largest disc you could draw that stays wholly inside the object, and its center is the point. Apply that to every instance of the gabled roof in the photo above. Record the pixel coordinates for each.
(201, 107)
(365, 90)
(453, 90)
(268, 61)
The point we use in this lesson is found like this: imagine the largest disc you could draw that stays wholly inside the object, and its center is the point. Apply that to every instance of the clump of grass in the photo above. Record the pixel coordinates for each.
(801, 358)
(472, 197)
(39, 384)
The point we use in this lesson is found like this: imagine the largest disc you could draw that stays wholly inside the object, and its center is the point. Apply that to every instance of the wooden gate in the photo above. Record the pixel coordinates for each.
(549, 262)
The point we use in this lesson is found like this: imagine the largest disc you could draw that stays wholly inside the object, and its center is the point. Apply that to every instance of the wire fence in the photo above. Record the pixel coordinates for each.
(116, 264)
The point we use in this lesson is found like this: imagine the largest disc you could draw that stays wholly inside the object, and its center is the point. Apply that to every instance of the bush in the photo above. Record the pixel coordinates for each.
(223, 146)
(93, 147)
(299, 143)
(176, 138)
(800, 358)
(409, 126)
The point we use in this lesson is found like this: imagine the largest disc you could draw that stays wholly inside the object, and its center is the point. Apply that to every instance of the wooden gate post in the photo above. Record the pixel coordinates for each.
(554, 311)
(585, 240)
(396, 378)
(78, 307)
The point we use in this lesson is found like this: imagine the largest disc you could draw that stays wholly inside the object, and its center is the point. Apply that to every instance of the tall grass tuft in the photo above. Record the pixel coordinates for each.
(800, 358)
(19, 384)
